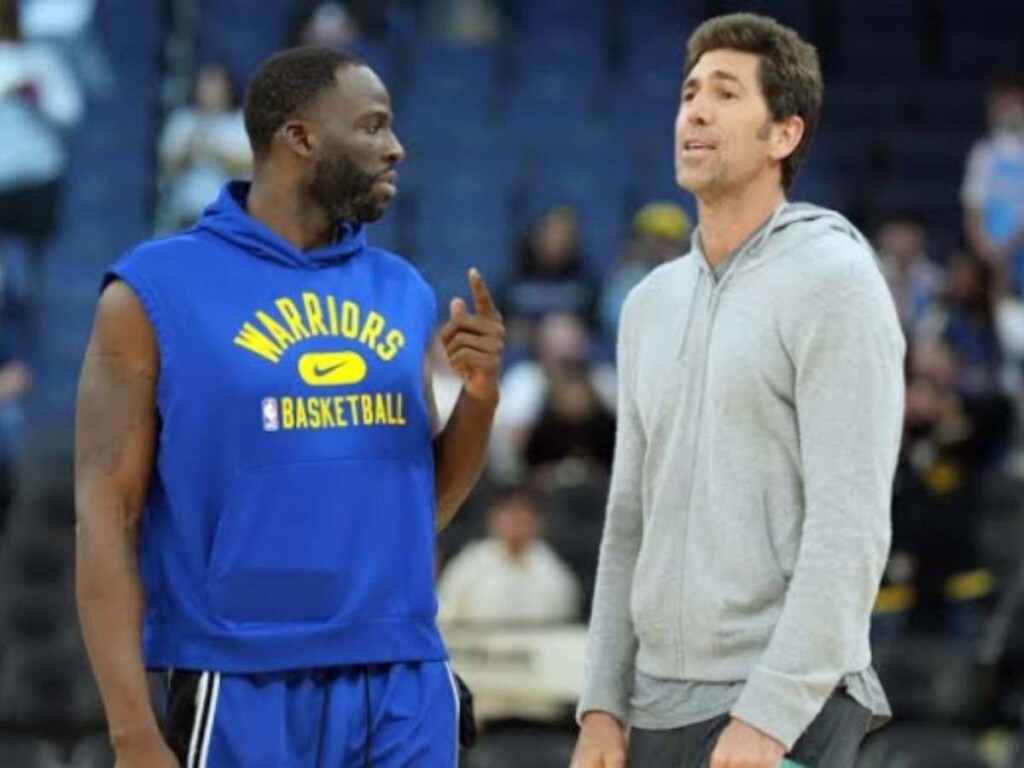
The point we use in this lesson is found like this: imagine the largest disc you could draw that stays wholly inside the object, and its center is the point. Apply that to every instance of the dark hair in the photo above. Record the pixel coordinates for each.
(790, 72)
(510, 493)
(284, 84)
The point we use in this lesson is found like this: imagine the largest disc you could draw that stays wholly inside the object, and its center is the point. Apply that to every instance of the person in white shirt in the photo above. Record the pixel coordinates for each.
(511, 577)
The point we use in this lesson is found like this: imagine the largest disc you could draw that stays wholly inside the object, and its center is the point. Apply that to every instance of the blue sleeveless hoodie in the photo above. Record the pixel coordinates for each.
(290, 517)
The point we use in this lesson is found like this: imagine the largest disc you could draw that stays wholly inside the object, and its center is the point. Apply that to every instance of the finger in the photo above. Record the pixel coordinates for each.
(457, 308)
(471, 359)
(485, 306)
(474, 341)
(472, 324)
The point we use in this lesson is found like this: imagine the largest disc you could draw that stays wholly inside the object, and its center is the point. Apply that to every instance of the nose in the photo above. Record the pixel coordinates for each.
(395, 151)
(697, 111)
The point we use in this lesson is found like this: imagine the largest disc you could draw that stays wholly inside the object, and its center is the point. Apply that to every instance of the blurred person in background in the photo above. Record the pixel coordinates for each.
(914, 279)
(573, 437)
(267, 547)
(15, 382)
(39, 102)
(964, 319)
(760, 411)
(512, 577)
(992, 194)
(940, 477)
(561, 342)
(70, 25)
(551, 276)
(202, 147)
(661, 232)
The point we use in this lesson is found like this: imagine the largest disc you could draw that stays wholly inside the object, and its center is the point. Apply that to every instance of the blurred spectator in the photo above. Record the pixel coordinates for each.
(202, 147)
(330, 25)
(15, 381)
(339, 23)
(915, 280)
(939, 480)
(512, 576)
(465, 22)
(551, 277)
(69, 24)
(561, 344)
(574, 436)
(39, 100)
(661, 232)
(964, 319)
(993, 187)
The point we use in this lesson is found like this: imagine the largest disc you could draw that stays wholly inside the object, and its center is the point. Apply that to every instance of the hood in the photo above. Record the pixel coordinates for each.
(792, 225)
(228, 220)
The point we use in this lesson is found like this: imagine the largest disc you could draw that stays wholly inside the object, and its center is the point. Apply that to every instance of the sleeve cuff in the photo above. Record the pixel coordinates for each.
(600, 698)
(780, 705)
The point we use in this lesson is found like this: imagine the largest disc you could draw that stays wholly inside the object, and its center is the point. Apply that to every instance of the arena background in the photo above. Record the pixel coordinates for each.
(539, 142)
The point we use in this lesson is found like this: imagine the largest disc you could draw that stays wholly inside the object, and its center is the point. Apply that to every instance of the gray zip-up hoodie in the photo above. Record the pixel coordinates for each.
(748, 518)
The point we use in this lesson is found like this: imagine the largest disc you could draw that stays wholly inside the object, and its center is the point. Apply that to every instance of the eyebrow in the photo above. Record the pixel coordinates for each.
(718, 74)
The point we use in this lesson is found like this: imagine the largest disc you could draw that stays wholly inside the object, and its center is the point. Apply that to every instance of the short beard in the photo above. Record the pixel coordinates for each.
(345, 191)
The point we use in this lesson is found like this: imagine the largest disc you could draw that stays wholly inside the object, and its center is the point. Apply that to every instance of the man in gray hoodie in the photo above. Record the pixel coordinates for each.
(761, 400)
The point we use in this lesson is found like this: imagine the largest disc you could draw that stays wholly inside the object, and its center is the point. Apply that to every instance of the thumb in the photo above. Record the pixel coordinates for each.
(457, 308)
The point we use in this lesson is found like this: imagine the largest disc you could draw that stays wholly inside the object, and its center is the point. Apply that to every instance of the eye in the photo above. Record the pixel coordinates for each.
(687, 97)
(729, 95)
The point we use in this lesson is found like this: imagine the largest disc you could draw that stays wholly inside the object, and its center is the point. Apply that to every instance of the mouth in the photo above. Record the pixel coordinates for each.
(387, 182)
(698, 147)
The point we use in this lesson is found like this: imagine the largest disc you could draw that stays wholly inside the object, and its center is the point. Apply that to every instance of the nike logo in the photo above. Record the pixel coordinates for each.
(319, 370)
(332, 369)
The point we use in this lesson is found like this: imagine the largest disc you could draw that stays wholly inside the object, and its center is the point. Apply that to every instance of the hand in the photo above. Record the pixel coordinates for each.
(601, 743)
(743, 746)
(475, 343)
(150, 753)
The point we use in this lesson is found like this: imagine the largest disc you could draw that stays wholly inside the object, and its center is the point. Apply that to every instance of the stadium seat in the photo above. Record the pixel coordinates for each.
(48, 685)
(37, 557)
(35, 614)
(905, 745)
(929, 679)
(92, 752)
(19, 751)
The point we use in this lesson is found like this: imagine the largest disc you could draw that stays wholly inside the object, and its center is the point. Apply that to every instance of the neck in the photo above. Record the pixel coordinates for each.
(726, 221)
(278, 201)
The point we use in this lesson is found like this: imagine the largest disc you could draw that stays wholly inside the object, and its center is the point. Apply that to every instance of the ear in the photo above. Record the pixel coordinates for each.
(786, 136)
(300, 137)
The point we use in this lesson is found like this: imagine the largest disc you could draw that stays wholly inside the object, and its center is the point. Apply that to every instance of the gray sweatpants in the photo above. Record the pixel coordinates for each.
(831, 741)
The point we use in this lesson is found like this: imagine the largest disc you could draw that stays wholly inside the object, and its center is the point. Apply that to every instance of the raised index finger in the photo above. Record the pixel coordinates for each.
(485, 306)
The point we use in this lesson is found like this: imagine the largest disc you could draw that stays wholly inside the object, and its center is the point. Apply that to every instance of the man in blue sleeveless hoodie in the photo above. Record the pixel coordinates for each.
(259, 477)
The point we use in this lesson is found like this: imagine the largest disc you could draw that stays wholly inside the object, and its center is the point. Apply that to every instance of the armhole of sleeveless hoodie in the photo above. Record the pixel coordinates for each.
(147, 296)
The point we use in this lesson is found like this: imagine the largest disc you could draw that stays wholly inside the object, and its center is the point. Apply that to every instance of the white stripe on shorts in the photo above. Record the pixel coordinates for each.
(214, 697)
(202, 691)
(455, 696)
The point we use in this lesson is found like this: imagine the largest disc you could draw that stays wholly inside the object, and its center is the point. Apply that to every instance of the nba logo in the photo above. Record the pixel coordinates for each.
(270, 414)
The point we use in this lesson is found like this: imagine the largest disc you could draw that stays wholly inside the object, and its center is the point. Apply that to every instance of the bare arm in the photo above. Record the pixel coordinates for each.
(116, 432)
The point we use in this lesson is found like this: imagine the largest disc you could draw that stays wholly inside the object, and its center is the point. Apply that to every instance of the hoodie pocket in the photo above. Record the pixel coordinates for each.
(311, 542)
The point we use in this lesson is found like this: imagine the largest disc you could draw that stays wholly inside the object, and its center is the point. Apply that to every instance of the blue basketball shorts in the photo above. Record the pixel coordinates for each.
(380, 716)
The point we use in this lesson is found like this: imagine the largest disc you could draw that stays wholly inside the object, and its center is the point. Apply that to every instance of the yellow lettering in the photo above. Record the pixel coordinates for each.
(373, 328)
(253, 340)
(326, 415)
(382, 410)
(339, 411)
(300, 414)
(367, 403)
(401, 409)
(350, 319)
(314, 314)
(280, 334)
(353, 408)
(314, 413)
(291, 316)
(287, 414)
(332, 312)
(393, 342)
